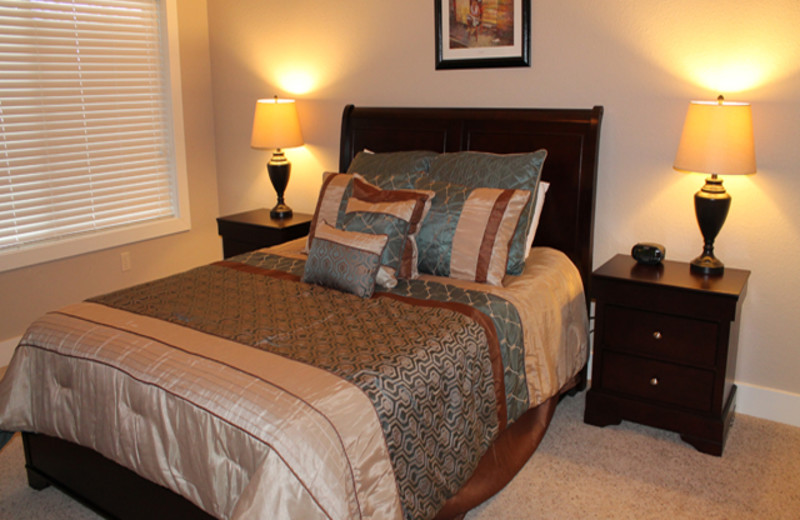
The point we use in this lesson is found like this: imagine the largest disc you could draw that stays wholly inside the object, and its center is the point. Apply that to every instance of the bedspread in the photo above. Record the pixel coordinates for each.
(345, 408)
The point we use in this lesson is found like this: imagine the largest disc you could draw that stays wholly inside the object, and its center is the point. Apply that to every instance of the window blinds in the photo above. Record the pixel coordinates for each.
(85, 118)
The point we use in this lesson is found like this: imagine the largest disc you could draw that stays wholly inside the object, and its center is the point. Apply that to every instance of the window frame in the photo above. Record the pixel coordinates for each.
(38, 253)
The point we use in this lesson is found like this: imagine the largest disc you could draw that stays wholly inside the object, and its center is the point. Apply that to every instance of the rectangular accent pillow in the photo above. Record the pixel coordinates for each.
(519, 171)
(344, 260)
(468, 231)
(396, 213)
(335, 195)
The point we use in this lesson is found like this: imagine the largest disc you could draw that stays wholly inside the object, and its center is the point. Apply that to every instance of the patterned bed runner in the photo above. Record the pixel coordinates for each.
(391, 346)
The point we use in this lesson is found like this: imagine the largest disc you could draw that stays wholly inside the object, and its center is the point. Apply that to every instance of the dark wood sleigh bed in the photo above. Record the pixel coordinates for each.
(571, 137)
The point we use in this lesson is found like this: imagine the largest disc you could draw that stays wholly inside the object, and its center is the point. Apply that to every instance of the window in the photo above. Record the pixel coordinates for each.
(90, 157)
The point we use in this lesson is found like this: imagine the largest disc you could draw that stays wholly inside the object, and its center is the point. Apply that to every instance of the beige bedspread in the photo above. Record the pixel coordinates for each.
(279, 438)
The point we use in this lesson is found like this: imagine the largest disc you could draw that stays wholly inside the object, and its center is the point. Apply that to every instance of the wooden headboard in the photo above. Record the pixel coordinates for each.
(571, 137)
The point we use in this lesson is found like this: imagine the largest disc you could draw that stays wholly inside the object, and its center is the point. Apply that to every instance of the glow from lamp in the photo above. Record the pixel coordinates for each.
(717, 139)
(297, 82)
(276, 126)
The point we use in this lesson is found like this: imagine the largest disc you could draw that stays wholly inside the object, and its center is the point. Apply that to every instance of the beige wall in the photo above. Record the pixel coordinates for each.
(642, 60)
(29, 292)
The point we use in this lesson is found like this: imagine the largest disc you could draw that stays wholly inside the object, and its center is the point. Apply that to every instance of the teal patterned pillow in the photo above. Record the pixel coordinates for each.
(395, 213)
(344, 260)
(468, 231)
(370, 164)
(396, 181)
(505, 171)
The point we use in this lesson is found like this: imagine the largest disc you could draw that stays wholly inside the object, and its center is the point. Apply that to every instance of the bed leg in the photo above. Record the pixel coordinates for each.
(35, 480)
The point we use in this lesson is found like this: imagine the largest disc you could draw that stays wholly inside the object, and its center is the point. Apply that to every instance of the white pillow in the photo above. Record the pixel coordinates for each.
(537, 212)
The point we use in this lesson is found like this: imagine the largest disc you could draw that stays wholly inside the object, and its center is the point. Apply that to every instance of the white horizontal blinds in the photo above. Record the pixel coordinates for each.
(84, 118)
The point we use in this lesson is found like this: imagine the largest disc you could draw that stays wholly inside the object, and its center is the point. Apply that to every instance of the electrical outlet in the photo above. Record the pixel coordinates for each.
(125, 260)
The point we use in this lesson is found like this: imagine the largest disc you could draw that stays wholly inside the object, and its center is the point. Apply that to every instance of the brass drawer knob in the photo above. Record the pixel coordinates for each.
(657, 335)
(654, 381)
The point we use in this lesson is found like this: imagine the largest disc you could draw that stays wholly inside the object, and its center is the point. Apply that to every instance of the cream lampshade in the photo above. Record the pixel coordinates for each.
(717, 139)
(276, 126)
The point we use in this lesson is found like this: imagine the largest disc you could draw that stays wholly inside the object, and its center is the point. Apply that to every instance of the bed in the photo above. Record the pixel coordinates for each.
(340, 450)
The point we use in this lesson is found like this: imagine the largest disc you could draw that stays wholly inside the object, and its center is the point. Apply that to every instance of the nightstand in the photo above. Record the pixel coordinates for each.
(665, 345)
(255, 229)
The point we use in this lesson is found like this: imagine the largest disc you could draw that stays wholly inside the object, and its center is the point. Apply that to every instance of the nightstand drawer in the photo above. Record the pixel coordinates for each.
(660, 335)
(658, 381)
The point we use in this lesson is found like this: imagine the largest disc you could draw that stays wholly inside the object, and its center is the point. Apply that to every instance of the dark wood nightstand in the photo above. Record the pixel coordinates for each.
(255, 229)
(665, 345)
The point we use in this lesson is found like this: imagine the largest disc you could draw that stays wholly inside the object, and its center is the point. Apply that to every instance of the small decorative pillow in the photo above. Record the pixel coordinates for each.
(519, 171)
(369, 163)
(333, 195)
(395, 213)
(469, 231)
(344, 260)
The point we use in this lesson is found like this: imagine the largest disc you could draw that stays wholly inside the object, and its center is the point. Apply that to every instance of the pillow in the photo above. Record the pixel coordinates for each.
(504, 171)
(537, 214)
(344, 260)
(468, 231)
(334, 197)
(395, 213)
(396, 181)
(369, 163)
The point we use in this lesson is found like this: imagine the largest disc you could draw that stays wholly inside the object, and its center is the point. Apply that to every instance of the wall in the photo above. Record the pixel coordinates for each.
(642, 60)
(30, 292)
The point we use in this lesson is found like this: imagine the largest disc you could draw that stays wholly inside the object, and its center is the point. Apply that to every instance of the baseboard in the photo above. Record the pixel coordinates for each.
(7, 350)
(768, 403)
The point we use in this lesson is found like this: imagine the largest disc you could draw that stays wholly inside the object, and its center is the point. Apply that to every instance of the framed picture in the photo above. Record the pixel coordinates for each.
(483, 33)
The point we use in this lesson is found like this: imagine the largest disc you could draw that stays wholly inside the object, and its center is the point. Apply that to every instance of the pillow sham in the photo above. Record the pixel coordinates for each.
(395, 213)
(537, 214)
(504, 171)
(369, 164)
(331, 202)
(344, 260)
(468, 231)
(402, 224)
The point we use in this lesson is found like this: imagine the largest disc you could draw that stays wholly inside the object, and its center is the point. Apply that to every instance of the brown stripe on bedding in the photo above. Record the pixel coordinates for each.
(246, 268)
(490, 235)
(493, 344)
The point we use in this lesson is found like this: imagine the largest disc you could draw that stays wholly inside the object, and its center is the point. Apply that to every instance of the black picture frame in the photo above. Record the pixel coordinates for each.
(497, 35)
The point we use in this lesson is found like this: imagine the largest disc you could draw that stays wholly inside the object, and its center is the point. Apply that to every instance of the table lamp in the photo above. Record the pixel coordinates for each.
(276, 126)
(717, 139)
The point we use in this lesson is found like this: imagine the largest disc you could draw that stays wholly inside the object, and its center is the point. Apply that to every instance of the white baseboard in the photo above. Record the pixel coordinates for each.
(768, 403)
(7, 350)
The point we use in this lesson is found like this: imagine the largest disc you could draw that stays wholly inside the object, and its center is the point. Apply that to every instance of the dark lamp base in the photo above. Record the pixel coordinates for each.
(707, 265)
(280, 211)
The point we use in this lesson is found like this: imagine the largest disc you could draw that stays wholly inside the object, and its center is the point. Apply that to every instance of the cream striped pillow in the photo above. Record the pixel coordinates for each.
(469, 231)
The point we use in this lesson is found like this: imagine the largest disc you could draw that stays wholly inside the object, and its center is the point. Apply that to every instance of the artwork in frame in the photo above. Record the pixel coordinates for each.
(483, 33)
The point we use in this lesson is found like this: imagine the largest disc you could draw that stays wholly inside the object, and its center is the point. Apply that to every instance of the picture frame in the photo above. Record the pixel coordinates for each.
(482, 33)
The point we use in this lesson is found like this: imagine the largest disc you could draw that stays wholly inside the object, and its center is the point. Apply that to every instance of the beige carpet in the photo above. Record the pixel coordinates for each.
(580, 472)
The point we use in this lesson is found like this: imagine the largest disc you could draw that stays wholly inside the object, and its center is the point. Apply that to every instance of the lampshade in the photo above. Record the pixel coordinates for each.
(717, 138)
(275, 125)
